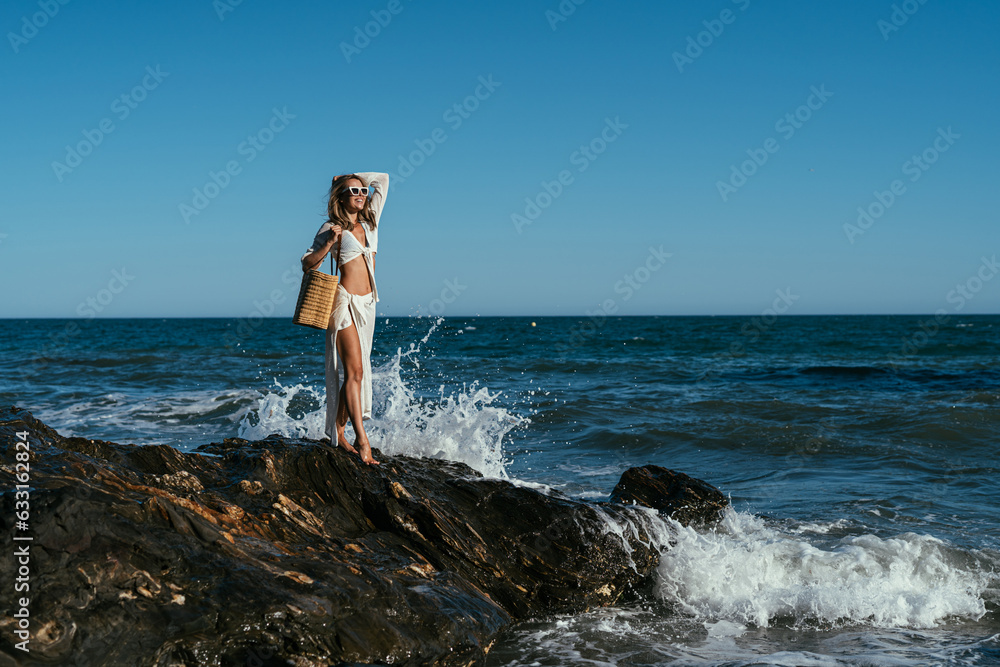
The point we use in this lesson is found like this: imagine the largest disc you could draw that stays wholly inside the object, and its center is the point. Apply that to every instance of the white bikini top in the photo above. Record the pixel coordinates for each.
(352, 248)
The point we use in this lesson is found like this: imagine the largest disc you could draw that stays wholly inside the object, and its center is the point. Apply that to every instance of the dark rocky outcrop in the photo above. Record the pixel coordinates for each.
(674, 494)
(283, 551)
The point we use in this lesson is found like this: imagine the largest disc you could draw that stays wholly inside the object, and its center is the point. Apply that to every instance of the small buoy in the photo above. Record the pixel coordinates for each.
(532, 324)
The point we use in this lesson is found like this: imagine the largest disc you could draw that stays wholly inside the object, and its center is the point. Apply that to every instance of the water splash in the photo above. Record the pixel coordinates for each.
(297, 411)
(465, 425)
(749, 573)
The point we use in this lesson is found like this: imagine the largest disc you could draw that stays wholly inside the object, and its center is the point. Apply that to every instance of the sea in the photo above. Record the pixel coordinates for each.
(861, 456)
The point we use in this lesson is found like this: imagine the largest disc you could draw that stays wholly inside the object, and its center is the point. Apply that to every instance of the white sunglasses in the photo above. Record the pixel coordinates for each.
(355, 191)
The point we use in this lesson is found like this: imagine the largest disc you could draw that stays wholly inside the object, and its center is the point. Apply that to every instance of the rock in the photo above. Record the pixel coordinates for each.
(674, 494)
(284, 551)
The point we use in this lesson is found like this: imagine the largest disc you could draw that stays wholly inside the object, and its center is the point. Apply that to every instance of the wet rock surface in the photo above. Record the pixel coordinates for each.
(673, 494)
(283, 551)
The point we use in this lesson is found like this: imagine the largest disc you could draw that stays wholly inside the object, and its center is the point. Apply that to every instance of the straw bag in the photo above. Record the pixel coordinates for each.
(316, 296)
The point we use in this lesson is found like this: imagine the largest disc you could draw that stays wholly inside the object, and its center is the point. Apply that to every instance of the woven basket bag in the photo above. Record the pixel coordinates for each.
(316, 297)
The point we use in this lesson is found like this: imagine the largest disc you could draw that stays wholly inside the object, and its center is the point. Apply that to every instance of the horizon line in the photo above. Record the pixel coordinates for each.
(477, 316)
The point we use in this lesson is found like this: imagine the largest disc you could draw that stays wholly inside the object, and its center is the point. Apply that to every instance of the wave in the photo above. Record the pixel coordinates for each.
(894, 598)
(749, 573)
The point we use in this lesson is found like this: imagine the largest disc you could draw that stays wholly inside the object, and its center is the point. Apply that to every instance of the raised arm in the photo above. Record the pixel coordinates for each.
(379, 183)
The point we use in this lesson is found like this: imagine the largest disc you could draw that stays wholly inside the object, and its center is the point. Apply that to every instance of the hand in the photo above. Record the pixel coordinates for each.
(335, 233)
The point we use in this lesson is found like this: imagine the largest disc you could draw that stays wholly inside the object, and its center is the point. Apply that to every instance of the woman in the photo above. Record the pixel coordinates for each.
(351, 234)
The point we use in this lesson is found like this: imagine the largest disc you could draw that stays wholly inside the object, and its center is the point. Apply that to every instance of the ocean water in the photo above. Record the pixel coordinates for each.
(860, 454)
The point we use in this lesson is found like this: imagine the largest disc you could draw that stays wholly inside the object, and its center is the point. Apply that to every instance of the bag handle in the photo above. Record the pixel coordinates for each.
(340, 246)
(335, 267)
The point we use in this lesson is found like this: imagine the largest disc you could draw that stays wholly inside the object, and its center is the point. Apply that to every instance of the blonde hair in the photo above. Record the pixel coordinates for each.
(335, 211)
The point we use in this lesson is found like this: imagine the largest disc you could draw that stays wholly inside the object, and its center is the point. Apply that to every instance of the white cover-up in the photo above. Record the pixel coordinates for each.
(356, 308)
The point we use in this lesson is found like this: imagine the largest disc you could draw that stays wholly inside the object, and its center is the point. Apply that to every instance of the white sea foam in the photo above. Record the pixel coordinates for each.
(746, 572)
(466, 425)
(272, 414)
(819, 528)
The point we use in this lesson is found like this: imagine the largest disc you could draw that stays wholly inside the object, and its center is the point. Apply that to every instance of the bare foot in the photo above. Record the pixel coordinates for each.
(343, 444)
(366, 454)
(342, 441)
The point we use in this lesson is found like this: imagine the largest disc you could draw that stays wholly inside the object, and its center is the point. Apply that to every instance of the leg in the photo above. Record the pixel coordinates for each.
(342, 422)
(349, 349)
(336, 410)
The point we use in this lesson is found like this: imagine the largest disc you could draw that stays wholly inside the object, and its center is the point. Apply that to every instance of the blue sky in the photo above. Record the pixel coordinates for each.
(643, 110)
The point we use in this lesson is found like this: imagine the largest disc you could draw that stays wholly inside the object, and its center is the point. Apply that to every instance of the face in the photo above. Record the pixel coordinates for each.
(353, 203)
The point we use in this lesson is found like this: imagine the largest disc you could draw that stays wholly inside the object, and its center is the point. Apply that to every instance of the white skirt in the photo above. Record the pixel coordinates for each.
(358, 309)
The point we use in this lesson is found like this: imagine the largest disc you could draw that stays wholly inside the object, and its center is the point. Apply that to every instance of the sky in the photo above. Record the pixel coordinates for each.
(715, 157)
